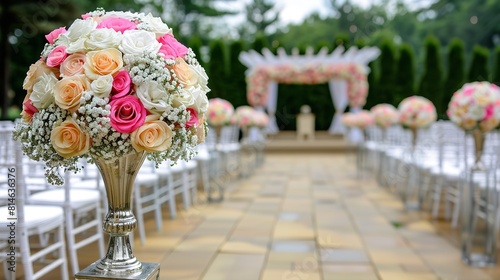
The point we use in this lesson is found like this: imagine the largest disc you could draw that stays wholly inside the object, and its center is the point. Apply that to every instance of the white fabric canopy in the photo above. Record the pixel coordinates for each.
(272, 103)
(355, 134)
(338, 91)
(338, 87)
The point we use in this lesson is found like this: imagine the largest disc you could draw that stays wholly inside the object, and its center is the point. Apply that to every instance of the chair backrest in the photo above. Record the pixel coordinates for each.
(11, 164)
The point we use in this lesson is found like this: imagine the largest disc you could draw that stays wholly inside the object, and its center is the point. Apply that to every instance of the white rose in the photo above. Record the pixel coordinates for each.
(153, 97)
(77, 46)
(125, 15)
(102, 86)
(137, 42)
(43, 91)
(103, 38)
(79, 29)
(185, 97)
(476, 113)
(156, 25)
(201, 76)
(196, 98)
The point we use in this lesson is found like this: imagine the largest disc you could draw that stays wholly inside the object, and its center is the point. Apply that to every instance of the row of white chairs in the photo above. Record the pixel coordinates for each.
(432, 171)
(77, 208)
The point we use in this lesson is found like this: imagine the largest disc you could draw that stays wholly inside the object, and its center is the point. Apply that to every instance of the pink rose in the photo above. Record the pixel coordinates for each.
(28, 111)
(193, 120)
(118, 24)
(127, 114)
(121, 85)
(56, 56)
(490, 110)
(171, 48)
(52, 36)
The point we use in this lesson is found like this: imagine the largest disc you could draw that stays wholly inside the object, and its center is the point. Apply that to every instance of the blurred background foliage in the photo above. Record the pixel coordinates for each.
(430, 49)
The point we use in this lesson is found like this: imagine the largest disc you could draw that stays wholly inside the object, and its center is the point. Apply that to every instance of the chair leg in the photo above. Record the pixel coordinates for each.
(157, 202)
(139, 216)
(438, 188)
(100, 241)
(185, 190)
(62, 253)
(70, 237)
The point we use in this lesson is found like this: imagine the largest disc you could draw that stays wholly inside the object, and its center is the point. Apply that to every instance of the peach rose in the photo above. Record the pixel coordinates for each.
(72, 65)
(153, 136)
(68, 92)
(103, 62)
(69, 140)
(35, 71)
(184, 73)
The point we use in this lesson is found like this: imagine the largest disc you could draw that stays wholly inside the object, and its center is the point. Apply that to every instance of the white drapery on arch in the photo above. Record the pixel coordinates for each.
(345, 73)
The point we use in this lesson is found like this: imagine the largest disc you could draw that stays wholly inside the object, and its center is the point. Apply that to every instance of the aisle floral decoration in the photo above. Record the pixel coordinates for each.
(245, 116)
(385, 115)
(476, 106)
(261, 119)
(220, 112)
(311, 73)
(416, 112)
(361, 119)
(110, 84)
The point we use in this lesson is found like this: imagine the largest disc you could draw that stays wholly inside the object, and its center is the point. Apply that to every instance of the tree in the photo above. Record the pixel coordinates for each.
(217, 70)
(478, 69)
(455, 77)
(237, 85)
(260, 17)
(496, 67)
(386, 83)
(405, 74)
(431, 84)
(22, 25)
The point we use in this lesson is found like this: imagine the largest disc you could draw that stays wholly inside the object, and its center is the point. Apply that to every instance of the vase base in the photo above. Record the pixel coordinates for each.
(479, 260)
(150, 271)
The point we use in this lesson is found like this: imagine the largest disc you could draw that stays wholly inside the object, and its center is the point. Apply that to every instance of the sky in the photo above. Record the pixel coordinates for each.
(294, 11)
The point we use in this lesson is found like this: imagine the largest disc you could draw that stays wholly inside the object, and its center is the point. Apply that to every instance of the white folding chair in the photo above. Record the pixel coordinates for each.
(82, 210)
(31, 221)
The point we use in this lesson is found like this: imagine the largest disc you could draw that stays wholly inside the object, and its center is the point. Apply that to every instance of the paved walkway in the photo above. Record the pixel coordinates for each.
(305, 217)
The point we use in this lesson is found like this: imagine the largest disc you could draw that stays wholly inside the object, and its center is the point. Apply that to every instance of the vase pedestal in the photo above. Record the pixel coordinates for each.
(150, 271)
(479, 210)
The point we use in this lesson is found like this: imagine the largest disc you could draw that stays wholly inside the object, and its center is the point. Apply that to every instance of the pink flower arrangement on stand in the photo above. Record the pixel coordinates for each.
(111, 84)
(220, 112)
(385, 115)
(476, 106)
(245, 116)
(362, 119)
(416, 112)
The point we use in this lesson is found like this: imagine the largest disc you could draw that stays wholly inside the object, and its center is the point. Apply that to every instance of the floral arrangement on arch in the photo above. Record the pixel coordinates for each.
(385, 115)
(219, 112)
(111, 84)
(476, 106)
(416, 112)
(311, 73)
(361, 119)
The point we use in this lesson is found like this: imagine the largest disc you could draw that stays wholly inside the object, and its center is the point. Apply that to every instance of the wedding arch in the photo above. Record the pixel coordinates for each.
(345, 72)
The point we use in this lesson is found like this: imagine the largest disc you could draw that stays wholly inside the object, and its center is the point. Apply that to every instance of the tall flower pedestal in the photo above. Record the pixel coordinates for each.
(479, 210)
(409, 181)
(120, 262)
(218, 170)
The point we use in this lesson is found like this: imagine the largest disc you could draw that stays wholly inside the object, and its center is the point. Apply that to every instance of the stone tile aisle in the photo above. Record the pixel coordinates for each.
(305, 217)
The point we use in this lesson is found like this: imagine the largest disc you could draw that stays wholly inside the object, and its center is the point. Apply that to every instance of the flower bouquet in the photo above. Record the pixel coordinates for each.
(476, 108)
(113, 88)
(220, 112)
(416, 112)
(244, 116)
(261, 119)
(362, 119)
(385, 115)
